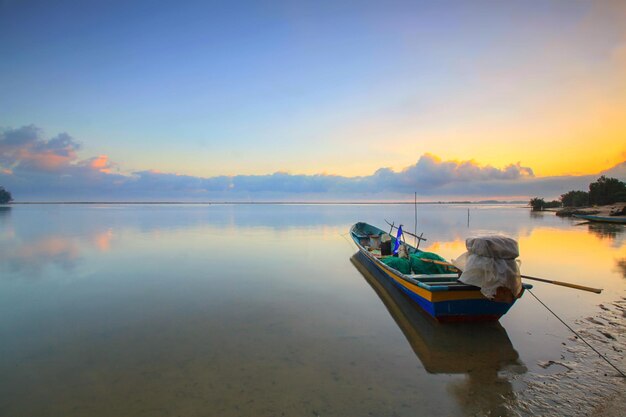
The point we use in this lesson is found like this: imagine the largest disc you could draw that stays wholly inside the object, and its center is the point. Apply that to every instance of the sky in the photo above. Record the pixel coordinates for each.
(294, 100)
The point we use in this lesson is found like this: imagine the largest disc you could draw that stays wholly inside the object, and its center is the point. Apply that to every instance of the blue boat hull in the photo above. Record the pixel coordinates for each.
(459, 310)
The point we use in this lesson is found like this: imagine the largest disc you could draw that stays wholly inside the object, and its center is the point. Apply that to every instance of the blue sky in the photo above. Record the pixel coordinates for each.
(209, 89)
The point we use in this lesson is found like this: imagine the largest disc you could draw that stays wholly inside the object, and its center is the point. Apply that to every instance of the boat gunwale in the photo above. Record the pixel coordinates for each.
(409, 278)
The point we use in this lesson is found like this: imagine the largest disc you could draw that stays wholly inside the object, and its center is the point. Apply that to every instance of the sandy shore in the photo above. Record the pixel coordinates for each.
(614, 406)
(595, 210)
(606, 210)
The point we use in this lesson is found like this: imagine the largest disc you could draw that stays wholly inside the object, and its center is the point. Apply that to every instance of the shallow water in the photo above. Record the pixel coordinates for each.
(263, 310)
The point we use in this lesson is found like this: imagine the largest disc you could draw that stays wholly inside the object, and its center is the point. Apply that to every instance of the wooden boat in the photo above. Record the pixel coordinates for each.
(440, 348)
(478, 352)
(603, 219)
(441, 295)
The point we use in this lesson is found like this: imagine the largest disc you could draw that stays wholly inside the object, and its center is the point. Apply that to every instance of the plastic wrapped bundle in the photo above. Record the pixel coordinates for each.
(489, 263)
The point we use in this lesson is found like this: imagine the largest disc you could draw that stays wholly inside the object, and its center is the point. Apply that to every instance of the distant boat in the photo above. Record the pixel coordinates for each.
(603, 219)
(437, 290)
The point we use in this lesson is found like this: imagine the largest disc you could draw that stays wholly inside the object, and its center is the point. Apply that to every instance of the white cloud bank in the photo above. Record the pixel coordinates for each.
(34, 168)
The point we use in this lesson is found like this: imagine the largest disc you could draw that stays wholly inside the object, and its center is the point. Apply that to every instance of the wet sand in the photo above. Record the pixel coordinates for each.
(580, 382)
(614, 406)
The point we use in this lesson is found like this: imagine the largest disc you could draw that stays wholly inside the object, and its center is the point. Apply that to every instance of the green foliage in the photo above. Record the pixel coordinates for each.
(575, 199)
(537, 203)
(606, 191)
(620, 196)
(5, 196)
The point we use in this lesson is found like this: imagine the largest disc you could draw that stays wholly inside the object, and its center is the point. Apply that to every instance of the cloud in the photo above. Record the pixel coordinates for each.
(36, 169)
(25, 149)
(431, 172)
(100, 163)
(618, 171)
(33, 165)
(430, 177)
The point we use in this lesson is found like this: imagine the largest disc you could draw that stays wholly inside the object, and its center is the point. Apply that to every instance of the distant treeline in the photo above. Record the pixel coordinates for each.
(601, 192)
(5, 196)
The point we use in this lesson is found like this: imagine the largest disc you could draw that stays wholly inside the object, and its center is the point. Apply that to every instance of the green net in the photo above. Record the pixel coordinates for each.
(416, 265)
(400, 264)
(421, 267)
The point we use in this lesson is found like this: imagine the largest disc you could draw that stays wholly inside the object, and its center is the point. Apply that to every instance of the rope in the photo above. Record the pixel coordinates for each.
(578, 335)
(351, 244)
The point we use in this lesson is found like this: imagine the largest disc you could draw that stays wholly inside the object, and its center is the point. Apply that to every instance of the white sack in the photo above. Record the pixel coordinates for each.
(490, 263)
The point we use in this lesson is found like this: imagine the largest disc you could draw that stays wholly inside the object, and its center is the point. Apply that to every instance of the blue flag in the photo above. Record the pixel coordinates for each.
(398, 236)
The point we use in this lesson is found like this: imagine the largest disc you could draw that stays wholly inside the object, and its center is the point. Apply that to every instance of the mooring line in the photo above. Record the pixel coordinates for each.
(351, 244)
(578, 335)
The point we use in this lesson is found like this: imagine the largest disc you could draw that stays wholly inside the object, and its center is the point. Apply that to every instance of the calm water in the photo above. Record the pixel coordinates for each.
(262, 310)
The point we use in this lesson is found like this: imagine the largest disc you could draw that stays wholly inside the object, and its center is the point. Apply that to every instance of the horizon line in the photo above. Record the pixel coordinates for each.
(268, 202)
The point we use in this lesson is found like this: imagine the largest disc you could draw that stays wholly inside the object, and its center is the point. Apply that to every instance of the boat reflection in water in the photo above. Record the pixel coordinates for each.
(606, 230)
(478, 350)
